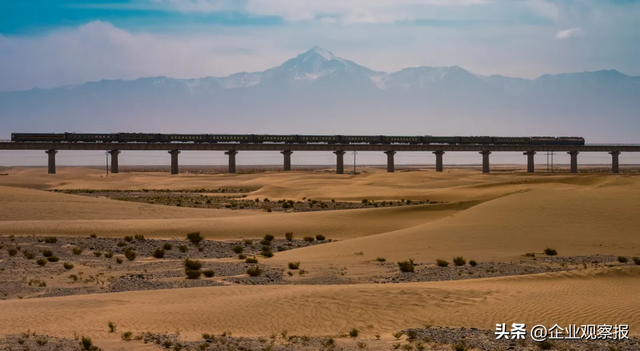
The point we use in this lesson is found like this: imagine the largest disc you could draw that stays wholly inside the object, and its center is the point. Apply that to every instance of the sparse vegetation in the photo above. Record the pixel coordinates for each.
(158, 253)
(53, 259)
(294, 265)
(309, 239)
(208, 273)
(442, 263)
(530, 254)
(130, 254)
(195, 238)
(47, 253)
(622, 259)
(183, 248)
(406, 266)
(51, 240)
(289, 236)
(119, 260)
(12, 252)
(29, 255)
(139, 237)
(459, 261)
(254, 271)
(473, 263)
(545, 345)
(41, 261)
(266, 254)
(108, 254)
(636, 260)
(320, 237)
(112, 327)
(97, 253)
(76, 250)
(128, 238)
(192, 274)
(251, 260)
(87, 344)
(354, 333)
(192, 264)
(381, 259)
(397, 335)
(460, 347)
(93, 235)
(167, 246)
(237, 249)
(269, 237)
(126, 336)
(550, 252)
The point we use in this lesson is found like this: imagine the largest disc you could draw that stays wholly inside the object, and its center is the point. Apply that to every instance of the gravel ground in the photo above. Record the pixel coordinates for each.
(431, 272)
(27, 341)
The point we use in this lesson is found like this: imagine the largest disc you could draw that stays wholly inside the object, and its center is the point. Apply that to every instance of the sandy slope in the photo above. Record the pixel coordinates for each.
(565, 298)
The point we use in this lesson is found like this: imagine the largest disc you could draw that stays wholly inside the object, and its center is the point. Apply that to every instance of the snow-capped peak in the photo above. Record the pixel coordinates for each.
(327, 55)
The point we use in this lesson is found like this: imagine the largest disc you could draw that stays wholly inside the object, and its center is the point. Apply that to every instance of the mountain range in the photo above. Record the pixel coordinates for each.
(317, 92)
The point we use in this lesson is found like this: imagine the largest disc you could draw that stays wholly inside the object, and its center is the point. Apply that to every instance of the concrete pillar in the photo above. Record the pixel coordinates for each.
(574, 161)
(390, 161)
(439, 164)
(287, 159)
(531, 166)
(232, 160)
(615, 165)
(174, 161)
(339, 161)
(114, 160)
(52, 161)
(485, 161)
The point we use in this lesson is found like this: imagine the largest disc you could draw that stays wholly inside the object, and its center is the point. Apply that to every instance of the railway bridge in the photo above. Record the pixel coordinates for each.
(232, 150)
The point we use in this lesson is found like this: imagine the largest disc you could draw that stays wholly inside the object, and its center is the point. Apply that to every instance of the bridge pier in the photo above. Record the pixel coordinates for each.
(52, 161)
(339, 161)
(390, 161)
(114, 160)
(439, 164)
(232, 160)
(287, 159)
(615, 165)
(485, 161)
(174, 161)
(531, 166)
(574, 161)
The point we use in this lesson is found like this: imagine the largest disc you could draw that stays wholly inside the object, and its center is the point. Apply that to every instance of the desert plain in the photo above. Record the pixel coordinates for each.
(348, 234)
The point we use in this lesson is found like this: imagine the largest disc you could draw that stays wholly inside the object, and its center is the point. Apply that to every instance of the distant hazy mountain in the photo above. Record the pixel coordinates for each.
(319, 93)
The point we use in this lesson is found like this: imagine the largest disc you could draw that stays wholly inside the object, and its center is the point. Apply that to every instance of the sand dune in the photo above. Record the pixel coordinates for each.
(565, 298)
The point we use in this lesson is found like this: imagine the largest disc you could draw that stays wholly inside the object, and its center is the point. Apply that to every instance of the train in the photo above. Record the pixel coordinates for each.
(290, 139)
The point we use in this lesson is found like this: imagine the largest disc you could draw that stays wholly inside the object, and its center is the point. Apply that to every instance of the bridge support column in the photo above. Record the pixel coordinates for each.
(339, 161)
(531, 166)
(174, 161)
(390, 161)
(485, 161)
(114, 160)
(574, 161)
(287, 159)
(615, 165)
(52, 161)
(439, 164)
(232, 160)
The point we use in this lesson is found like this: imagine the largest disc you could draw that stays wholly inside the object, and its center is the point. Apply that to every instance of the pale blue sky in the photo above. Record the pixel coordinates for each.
(49, 43)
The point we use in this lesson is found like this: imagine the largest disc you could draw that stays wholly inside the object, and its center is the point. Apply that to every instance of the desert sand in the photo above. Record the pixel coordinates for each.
(496, 217)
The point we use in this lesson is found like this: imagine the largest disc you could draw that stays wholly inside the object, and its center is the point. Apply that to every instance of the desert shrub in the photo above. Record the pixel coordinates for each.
(251, 260)
(622, 259)
(112, 327)
(12, 252)
(53, 259)
(364, 201)
(119, 260)
(459, 261)
(381, 259)
(406, 266)
(139, 237)
(42, 340)
(268, 237)
(47, 253)
(286, 205)
(195, 238)
(76, 250)
(167, 246)
(265, 242)
(254, 271)
(242, 256)
(158, 253)
(320, 237)
(545, 345)
(208, 273)
(354, 333)
(288, 236)
(442, 263)
(183, 248)
(290, 274)
(41, 262)
(530, 254)
(266, 248)
(237, 249)
(397, 335)
(29, 255)
(93, 235)
(51, 240)
(128, 238)
(192, 273)
(309, 239)
(473, 263)
(636, 260)
(108, 254)
(127, 335)
(294, 265)
(130, 254)
(282, 248)
(86, 343)
(67, 265)
(97, 253)
(192, 264)
(460, 347)
(266, 254)
(550, 252)
(122, 243)
(248, 242)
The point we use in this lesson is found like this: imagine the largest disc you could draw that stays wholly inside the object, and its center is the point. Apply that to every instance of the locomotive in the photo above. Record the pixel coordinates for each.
(290, 139)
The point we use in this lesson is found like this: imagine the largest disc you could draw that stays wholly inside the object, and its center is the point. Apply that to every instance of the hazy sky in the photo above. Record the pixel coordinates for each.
(48, 43)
